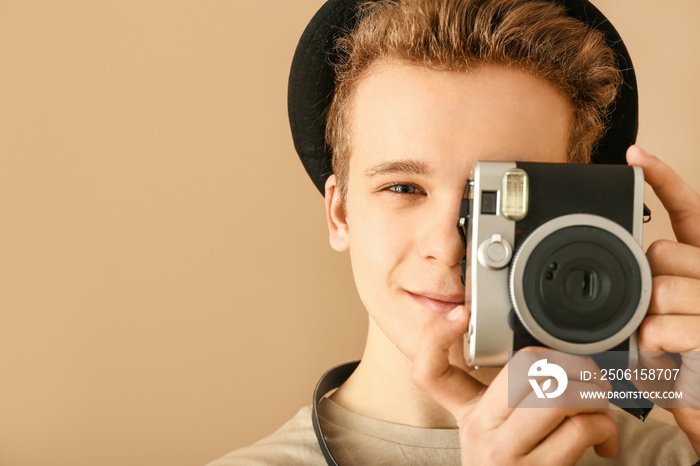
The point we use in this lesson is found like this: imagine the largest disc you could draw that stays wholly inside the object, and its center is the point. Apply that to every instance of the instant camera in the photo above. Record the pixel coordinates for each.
(553, 258)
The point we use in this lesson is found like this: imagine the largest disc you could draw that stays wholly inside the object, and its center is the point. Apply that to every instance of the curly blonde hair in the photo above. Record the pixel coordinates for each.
(460, 35)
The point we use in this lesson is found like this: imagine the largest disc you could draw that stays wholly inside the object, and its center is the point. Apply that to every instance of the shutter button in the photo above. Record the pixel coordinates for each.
(495, 253)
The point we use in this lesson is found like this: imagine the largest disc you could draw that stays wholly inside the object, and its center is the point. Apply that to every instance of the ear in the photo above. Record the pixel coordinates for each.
(338, 229)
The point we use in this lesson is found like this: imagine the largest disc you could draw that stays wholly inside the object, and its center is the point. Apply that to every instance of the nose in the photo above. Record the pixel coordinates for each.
(439, 240)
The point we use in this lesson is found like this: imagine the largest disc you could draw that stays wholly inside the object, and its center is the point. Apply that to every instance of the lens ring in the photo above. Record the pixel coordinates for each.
(582, 301)
(562, 334)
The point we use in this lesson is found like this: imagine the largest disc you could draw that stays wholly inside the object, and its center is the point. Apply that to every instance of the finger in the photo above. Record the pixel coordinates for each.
(432, 372)
(674, 296)
(670, 333)
(512, 386)
(657, 360)
(569, 441)
(532, 425)
(689, 383)
(661, 364)
(678, 198)
(668, 257)
(501, 398)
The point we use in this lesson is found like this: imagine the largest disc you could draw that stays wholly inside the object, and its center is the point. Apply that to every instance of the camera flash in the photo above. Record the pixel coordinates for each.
(514, 194)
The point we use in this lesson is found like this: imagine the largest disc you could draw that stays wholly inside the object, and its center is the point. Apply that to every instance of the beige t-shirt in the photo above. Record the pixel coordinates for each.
(359, 440)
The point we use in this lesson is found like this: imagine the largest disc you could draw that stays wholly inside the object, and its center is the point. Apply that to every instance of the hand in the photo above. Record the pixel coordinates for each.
(490, 431)
(672, 323)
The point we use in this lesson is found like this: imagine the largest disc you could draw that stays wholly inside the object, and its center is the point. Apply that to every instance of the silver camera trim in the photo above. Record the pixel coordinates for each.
(518, 269)
(487, 341)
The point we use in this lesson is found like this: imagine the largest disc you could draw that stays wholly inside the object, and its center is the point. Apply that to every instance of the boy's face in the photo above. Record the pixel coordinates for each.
(416, 134)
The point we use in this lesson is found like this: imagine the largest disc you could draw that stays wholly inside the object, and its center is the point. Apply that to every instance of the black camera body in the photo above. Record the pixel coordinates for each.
(554, 258)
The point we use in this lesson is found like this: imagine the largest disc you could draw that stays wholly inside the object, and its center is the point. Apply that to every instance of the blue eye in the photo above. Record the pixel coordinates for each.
(403, 189)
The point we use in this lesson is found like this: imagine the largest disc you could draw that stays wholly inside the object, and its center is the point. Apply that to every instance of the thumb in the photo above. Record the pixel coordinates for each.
(432, 372)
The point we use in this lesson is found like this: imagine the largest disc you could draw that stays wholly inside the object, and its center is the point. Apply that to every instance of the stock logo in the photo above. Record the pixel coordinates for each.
(542, 368)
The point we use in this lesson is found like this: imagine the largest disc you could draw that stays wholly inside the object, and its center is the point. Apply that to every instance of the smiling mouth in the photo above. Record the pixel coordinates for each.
(438, 304)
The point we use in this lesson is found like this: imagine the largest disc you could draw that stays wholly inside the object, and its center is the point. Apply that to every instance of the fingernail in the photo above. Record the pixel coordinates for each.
(454, 314)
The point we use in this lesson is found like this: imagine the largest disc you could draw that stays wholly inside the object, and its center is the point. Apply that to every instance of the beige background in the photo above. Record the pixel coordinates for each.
(166, 289)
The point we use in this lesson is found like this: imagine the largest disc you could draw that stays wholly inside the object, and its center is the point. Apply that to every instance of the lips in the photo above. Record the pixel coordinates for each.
(436, 302)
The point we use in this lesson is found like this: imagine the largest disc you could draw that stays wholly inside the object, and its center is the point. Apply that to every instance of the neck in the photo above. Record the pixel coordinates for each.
(381, 388)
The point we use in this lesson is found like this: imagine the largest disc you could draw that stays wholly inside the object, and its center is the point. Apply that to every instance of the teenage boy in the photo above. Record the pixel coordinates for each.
(423, 90)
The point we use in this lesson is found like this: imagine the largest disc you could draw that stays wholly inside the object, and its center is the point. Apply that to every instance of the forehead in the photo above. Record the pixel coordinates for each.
(492, 112)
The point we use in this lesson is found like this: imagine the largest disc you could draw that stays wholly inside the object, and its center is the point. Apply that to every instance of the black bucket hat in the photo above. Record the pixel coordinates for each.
(312, 83)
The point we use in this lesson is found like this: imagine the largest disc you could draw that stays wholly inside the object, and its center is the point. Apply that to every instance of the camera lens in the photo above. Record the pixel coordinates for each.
(582, 284)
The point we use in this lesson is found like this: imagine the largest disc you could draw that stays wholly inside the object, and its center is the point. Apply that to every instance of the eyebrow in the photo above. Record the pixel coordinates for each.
(404, 166)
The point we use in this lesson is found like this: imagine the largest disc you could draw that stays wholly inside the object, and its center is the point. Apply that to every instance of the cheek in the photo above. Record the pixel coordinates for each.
(379, 245)
(382, 253)
(374, 244)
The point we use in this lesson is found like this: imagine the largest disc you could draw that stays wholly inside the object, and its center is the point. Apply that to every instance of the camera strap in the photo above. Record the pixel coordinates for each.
(332, 379)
